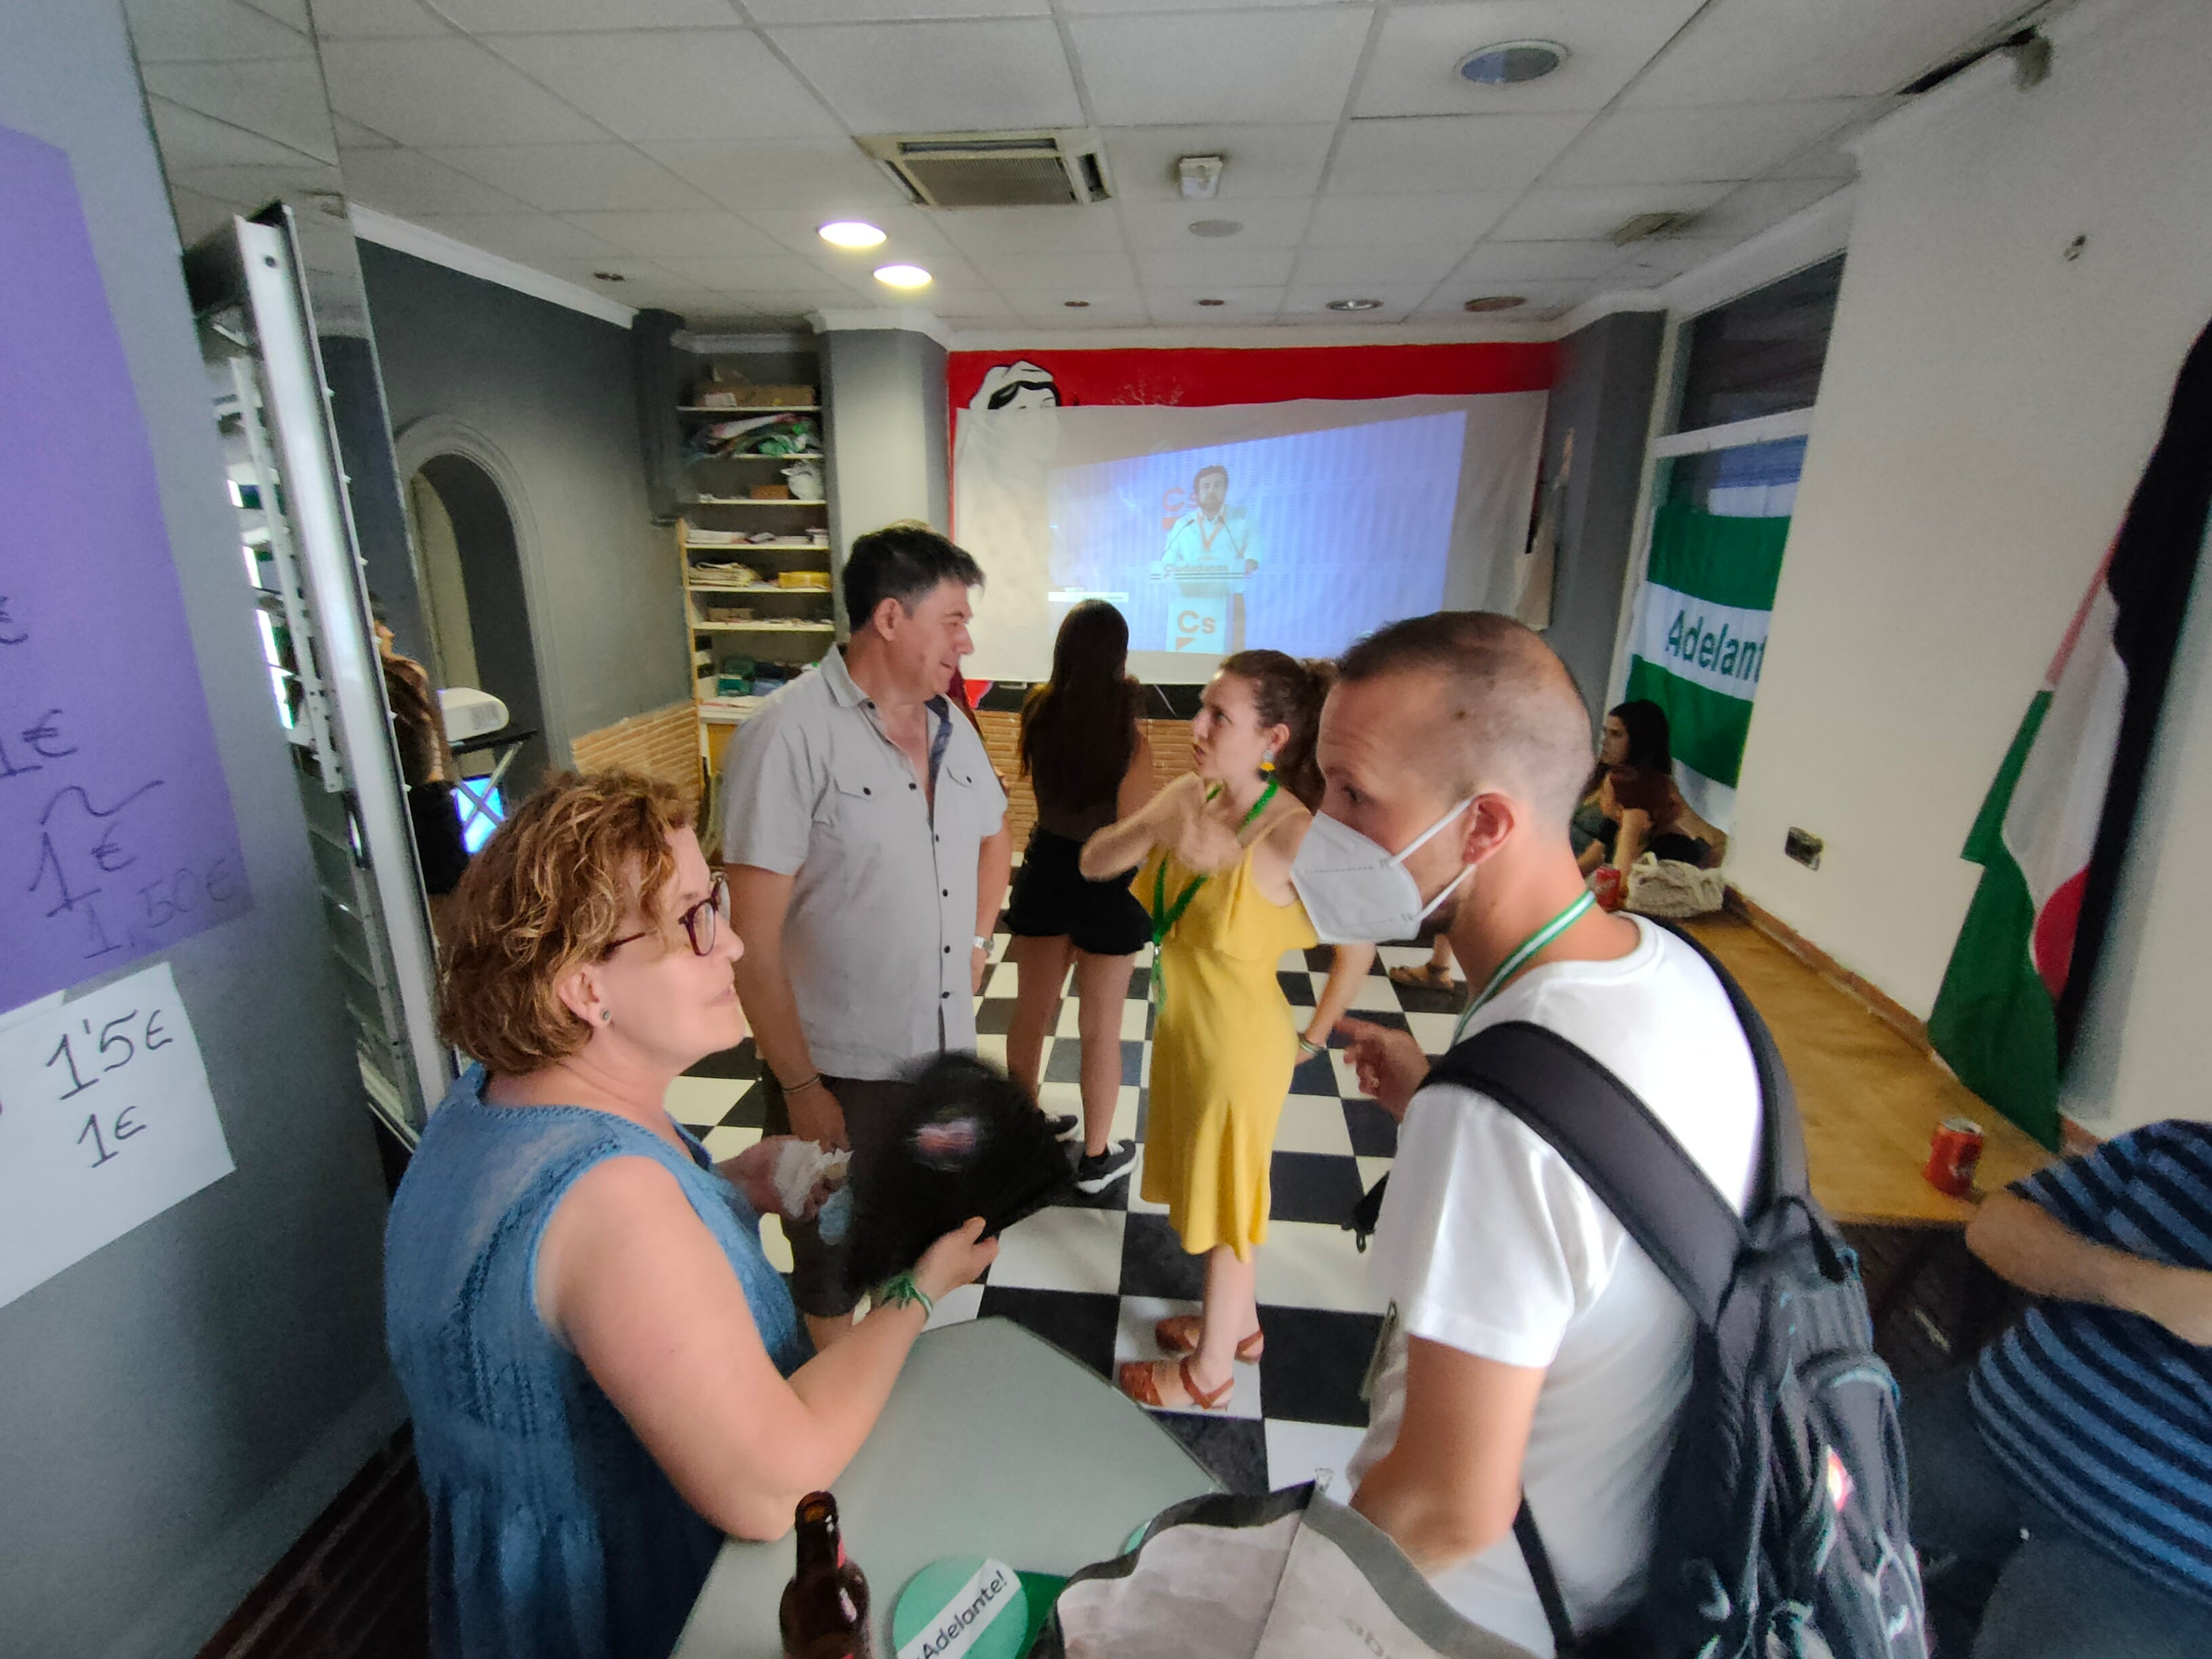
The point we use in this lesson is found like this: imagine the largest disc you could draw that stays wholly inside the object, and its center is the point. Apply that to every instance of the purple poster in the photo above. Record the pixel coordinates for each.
(117, 836)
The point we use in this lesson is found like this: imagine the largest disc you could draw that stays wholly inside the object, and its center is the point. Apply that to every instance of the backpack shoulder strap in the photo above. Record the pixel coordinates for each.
(1782, 1137)
(1615, 1143)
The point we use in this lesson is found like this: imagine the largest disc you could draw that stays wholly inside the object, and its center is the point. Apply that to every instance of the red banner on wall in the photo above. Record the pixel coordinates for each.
(1202, 376)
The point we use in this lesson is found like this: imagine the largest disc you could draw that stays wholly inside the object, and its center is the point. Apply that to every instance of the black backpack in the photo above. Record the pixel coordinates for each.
(1783, 1530)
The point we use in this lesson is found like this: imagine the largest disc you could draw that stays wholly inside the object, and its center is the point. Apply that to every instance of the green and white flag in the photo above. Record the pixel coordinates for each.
(1700, 636)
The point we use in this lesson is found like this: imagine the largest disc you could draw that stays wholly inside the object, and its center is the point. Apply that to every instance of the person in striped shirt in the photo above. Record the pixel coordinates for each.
(2075, 1456)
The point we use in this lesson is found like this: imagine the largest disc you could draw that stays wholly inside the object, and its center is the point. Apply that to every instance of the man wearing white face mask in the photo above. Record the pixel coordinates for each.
(1532, 1346)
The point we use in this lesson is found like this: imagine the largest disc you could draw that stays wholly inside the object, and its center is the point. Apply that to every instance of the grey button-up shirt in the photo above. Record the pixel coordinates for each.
(883, 908)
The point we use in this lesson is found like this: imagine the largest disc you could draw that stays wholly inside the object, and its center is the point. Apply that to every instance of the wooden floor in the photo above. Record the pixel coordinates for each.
(1870, 1099)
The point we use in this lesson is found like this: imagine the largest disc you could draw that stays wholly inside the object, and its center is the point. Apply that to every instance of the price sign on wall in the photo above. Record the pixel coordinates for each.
(117, 836)
(105, 1120)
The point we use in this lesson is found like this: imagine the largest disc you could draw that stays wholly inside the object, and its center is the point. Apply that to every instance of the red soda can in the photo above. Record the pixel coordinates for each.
(1607, 883)
(1953, 1155)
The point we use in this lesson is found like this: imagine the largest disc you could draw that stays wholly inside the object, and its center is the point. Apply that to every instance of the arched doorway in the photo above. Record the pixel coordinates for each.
(475, 606)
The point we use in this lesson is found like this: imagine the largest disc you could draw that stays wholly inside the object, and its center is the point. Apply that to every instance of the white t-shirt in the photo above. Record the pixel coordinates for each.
(1490, 1244)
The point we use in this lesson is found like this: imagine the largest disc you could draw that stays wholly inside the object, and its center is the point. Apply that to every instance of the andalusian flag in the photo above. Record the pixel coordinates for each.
(2053, 832)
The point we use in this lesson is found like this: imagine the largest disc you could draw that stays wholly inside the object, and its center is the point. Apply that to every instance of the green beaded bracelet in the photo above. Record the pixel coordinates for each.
(900, 1291)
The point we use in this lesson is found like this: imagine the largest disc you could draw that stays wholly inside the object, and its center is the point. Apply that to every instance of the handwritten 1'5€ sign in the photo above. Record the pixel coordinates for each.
(105, 1120)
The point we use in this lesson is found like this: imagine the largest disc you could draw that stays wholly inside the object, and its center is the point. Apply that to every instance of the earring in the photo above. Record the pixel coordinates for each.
(606, 1016)
(1267, 760)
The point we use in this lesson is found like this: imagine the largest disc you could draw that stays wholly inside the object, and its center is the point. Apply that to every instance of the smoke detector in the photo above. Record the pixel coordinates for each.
(1060, 168)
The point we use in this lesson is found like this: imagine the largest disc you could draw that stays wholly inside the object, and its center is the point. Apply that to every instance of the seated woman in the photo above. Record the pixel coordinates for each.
(605, 1371)
(1630, 805)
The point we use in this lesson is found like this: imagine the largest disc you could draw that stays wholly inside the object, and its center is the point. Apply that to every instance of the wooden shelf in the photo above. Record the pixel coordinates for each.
(810, 455)
(739, 411)
(763, 628)
(749, 500)
(756, 587)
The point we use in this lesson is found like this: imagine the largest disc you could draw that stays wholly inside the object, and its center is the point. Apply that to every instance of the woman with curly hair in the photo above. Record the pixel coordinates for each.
(605, 1373)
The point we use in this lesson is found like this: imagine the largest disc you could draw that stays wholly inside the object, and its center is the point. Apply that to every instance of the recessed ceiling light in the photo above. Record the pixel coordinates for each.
(902, 275)
(1075, 305)
(1509, 62)
(1217, 227)
(1496, 302)
(1355, 305)
(850, 233)
(608, 277)
(1213, 302)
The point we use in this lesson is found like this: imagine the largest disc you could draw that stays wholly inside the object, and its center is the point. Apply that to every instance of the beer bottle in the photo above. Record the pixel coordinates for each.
(824, 1614)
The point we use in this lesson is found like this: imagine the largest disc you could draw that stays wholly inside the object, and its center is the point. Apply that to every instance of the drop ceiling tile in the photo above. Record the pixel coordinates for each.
(1453, 219)
(704, 233)
(375, 20)
(1749, 209)
(1647, 263)
(1449, 152)
(408, 182)
(1711, 141)
(1262, 160)
(1076, 8)
(796, 303)
(1824, 158)
(1074, 229)
(765, 12)
(1363, 267)
(971, 311)
(1450, 298)
(1753, 50)
(251, 187)
(911, 235)
(448, 92)
(576, 177)
(526, 237)
(1067, 274)
(199, 215)
(352, 135)
(640, 276)
(1588, 213)
(1106, 304)
(1398, 300)
(779, 272)
(1071, 322)
(560, 16)
(969, 77)
(189, 139)
(281, 100)
(1225, 67)
(1523, 262)
(188, 31)
(1164, 226)
(1414, 69)
(1170, 302)
(672, 83)
(828, 175)
(293, 14)
(1256, 267)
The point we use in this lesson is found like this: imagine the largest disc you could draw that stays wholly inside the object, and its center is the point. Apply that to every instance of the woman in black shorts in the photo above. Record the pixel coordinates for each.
(1087, 758)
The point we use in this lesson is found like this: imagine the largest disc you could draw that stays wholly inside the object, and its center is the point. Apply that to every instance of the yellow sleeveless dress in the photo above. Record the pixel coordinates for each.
(1224, 1048)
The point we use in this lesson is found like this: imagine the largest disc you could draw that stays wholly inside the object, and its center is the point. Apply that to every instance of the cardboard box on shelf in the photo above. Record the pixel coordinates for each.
(770, 492)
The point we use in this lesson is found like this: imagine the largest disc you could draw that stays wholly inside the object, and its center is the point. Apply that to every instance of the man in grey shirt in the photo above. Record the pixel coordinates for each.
(865, 836)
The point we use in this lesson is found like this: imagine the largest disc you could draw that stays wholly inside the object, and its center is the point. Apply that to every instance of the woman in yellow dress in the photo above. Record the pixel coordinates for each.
(1216, 880)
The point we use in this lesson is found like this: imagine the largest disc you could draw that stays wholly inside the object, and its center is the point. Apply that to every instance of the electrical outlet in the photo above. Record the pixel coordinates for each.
(1803, 845)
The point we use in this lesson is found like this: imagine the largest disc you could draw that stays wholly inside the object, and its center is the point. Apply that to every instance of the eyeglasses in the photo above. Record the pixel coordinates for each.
(700, 923)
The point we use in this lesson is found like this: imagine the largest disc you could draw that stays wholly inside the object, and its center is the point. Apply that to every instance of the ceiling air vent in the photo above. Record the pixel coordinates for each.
(995, 169)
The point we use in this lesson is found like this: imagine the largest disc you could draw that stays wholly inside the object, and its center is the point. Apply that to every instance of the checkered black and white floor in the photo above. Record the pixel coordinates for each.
(1092, 1274)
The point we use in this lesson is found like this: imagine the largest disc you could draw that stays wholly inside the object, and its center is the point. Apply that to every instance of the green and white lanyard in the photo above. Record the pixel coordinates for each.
(1512, 964)
(1527, 948)
(1165, 915)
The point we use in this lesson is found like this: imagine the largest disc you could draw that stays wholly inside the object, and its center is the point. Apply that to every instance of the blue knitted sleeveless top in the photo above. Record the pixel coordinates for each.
(553, 1532)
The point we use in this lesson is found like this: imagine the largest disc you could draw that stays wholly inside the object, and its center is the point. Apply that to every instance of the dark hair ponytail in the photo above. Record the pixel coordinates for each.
(1286, 691)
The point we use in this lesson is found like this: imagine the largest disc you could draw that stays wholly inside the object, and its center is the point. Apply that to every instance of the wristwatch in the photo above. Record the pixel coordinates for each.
(982, 943)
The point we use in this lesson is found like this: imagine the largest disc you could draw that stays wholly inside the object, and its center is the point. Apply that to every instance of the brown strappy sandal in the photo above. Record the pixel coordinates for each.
(1140, 1380)
(1179, 1333)
(1427, 976)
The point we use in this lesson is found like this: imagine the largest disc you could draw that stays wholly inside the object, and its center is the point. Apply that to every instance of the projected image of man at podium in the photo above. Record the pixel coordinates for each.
(1210, 552)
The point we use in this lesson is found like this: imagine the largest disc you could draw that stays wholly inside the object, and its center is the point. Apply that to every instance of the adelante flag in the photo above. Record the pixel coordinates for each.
(2052, 834)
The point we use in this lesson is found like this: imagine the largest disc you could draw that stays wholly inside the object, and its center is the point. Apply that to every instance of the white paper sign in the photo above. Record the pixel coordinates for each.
(105, 1120)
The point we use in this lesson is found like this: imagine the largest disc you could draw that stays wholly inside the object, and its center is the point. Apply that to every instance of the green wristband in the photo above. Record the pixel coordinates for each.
(900, 1291)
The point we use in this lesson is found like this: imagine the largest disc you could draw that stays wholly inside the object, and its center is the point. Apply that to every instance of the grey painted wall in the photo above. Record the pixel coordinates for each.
(887, 431)
(554, 392)
(1607, 373)
(176, 1408)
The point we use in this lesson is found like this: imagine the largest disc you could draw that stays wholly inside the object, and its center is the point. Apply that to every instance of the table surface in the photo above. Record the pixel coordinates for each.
(1868, 1099)
(994, 1442)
